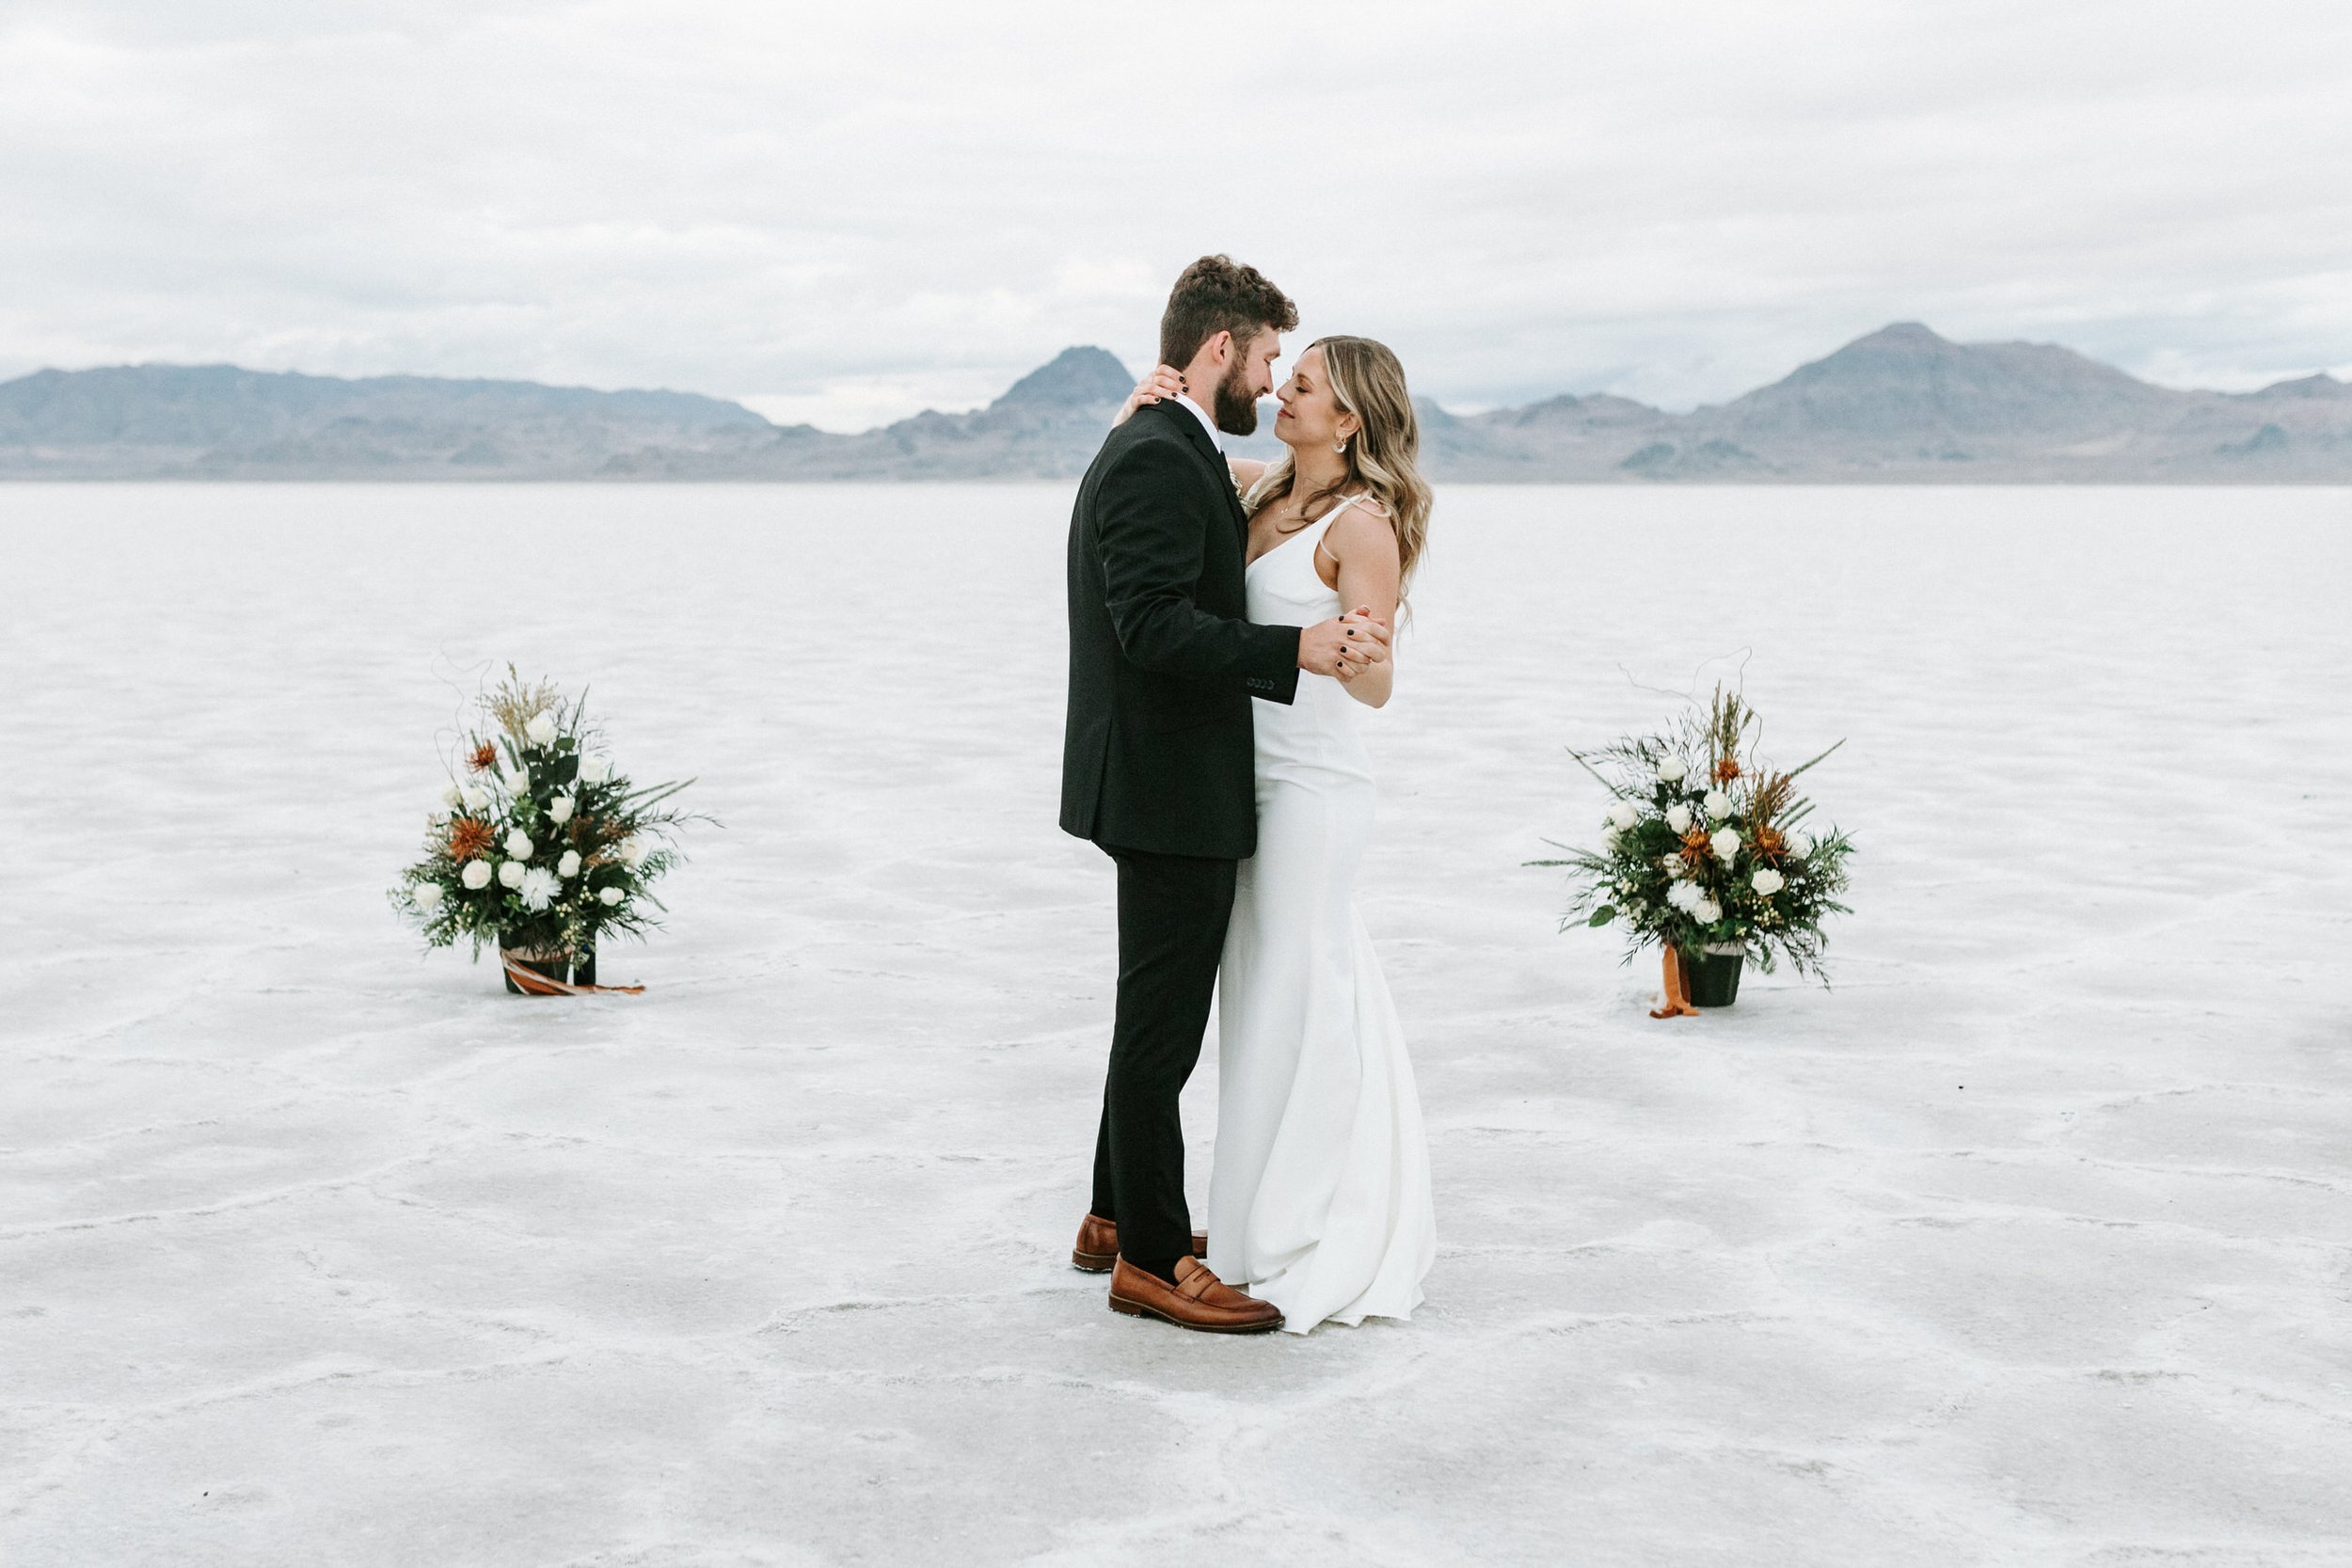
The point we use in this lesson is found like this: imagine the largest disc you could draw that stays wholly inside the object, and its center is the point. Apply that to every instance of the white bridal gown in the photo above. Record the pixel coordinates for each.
(1319, 1196)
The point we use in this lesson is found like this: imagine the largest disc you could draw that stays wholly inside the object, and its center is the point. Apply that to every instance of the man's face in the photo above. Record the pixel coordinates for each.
(1249, 377)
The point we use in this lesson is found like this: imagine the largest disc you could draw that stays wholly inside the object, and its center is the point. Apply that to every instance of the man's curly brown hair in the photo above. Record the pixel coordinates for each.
(1216, 294)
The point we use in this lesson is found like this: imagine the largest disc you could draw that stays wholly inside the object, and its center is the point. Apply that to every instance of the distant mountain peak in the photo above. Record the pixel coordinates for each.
(2319, 386)
(1905, 381)
(1902, 335)
(1081, 377)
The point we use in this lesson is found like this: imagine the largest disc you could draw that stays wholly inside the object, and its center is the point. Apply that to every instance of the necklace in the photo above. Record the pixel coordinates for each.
(1293, 507)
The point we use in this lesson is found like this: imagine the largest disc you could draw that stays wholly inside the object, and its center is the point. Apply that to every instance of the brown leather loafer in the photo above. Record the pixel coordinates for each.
(1097, 1246)
(1198, 1300)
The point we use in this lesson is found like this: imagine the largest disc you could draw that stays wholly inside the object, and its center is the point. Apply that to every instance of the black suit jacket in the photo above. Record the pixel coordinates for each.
(1158, 752)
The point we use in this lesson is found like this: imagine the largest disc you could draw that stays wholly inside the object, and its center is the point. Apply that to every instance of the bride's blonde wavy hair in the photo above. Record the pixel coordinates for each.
(1383, 457)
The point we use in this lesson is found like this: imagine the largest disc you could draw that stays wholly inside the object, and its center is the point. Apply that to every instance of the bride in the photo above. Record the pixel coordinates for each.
(1319, 1198)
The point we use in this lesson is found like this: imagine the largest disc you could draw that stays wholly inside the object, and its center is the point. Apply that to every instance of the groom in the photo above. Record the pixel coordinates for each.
(1157, 760)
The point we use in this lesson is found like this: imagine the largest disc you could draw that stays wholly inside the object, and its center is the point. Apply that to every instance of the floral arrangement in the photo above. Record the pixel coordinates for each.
(1703, 847)
(536, 843)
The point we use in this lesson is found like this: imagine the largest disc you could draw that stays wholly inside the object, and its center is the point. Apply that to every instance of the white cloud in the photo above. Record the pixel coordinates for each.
(840, 211)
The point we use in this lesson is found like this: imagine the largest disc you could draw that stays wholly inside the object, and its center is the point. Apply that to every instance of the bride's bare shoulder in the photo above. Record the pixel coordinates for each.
(1365, 525)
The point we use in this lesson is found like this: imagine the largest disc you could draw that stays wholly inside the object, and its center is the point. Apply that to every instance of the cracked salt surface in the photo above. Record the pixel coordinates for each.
(311, 1250)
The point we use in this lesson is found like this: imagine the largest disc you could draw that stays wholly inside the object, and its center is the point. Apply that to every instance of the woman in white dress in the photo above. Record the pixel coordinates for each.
(1319, 1199)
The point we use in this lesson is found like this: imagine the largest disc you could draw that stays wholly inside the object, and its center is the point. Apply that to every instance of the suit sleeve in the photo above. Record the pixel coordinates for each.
(1151, 534)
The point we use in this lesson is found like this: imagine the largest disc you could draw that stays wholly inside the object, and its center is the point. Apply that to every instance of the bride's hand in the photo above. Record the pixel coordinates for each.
(1164, 382)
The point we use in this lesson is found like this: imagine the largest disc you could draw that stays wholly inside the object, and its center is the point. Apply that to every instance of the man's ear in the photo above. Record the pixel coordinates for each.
(1220, 348)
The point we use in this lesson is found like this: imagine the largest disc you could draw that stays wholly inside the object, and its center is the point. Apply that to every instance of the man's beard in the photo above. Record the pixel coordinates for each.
(1236, 406)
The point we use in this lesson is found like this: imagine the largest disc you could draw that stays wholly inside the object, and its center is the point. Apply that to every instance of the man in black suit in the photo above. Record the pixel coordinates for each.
(1158, 759)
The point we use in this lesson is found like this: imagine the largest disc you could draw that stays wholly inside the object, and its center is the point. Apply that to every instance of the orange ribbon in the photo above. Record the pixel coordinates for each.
(1678, 1000)
(531, 982)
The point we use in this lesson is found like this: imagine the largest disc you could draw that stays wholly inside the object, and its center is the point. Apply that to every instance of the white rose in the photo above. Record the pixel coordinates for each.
(1625, 814)
(595, 770)
(568, 865)
(519, 844)
(541, 730)
(538, 887)
(1726, 844)
(633, 851)
(426, 897)
(1718, 804)
(1767, 881)
(560, 809)
(609, 896)
(516, 780)
(1706, 911)
(476, 874)
(1797, 842)
(510, 873)
(474, 796)
(453, 795)
(1678, 818)
(1670, 770)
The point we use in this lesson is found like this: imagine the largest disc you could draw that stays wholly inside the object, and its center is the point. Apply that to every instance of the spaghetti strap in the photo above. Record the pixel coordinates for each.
(1323, 540)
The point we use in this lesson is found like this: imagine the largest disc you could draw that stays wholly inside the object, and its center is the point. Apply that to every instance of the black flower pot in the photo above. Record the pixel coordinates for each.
(1713, 975)
(570, 969)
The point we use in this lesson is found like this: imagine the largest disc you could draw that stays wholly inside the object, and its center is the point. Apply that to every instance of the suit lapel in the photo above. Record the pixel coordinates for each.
(1206, 449)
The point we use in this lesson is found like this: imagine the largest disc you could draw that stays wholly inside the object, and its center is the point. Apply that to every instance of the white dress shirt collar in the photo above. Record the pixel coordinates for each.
(1215, 436)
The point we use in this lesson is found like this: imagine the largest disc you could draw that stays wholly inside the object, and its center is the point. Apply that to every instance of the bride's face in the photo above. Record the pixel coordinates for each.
(1311, 410)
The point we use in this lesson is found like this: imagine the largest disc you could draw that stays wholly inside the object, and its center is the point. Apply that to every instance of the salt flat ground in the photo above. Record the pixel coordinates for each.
(2028, 1243)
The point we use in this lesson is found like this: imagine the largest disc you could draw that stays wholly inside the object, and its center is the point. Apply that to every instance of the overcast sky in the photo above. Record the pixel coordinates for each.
(845, 212)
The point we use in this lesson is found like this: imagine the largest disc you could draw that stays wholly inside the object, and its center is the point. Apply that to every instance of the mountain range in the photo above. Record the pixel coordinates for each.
(1901, 405)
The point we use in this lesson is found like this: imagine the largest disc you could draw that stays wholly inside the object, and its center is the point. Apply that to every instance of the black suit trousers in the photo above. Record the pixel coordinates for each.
(1172, 913)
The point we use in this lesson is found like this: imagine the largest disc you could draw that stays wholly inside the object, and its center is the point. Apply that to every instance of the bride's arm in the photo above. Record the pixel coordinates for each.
(1247, 472)
(1370, 578)
(1164, 382)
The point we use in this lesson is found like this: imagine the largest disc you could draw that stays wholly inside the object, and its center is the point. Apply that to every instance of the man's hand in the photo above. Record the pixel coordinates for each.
(1344, 648)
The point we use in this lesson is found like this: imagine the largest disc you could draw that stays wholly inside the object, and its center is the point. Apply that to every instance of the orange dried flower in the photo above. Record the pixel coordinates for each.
(468, 837)
(1767, 844)
(1726, 770)
(1696, 851)
(483, 757)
